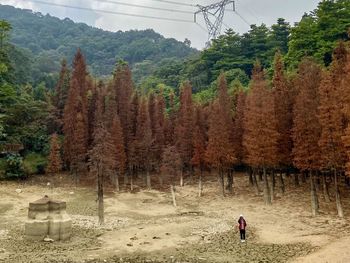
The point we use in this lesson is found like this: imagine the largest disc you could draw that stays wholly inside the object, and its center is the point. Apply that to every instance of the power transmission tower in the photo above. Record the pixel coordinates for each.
(217, 11)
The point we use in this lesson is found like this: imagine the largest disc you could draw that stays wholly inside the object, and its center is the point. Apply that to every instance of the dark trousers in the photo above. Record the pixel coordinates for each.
(242, 232)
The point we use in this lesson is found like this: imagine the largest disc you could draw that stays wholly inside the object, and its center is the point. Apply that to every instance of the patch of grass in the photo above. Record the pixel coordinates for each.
(2, 167)
(34, 163)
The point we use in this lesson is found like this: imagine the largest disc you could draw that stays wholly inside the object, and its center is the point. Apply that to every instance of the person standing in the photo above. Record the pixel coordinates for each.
(242, 224)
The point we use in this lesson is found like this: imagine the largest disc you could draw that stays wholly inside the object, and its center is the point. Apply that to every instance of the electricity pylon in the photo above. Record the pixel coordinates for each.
(217, 11)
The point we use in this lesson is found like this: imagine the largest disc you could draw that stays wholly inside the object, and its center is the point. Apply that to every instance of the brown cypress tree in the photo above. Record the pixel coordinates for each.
(330, 118)
(199, 146)
(184, 128)
(60, 96)
(225, 101)
(306, 126)
(123, 87)
(76, 125)
(119, 150)
(238, 127)
(284, 113)
(219, 153)
(55, 162)
(143, 140)
(260, 128)
(169, 122)
(101, 162)
(171, 164)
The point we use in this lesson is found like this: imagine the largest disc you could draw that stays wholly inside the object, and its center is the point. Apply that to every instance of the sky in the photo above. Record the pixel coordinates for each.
(247, 12)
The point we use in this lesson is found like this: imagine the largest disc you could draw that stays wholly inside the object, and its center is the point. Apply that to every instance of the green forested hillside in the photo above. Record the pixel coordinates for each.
(47, 39)
(316, 35)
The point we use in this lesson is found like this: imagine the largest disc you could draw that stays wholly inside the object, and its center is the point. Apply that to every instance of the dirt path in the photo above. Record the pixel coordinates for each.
(145, 227)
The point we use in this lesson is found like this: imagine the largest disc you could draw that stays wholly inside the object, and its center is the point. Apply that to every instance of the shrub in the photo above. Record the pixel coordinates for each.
(14, 166)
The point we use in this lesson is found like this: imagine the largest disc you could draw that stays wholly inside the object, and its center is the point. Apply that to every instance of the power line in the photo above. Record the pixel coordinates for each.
(174, 3)
(110, 12)
(249, 24)
(144, 6)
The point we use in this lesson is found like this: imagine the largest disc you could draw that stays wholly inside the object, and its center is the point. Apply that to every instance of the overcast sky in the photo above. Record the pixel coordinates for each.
(251, 12)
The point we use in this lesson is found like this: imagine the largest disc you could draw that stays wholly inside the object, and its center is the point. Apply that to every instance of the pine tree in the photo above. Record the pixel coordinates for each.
(260, 128)
(54, 160)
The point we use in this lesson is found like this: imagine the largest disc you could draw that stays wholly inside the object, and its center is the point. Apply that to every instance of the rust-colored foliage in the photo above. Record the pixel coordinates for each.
(171, 162)
(76, 123)
(118, 142)
(184, 125)
(306, 127)
(330, 118)
(219, 152)
(60, 96)
(143, 137)
(284, 112)
(260, 125)
(238, 127)
(199, 139)
(123, 86)
(54, 160)
(169, 123)
(344, 92)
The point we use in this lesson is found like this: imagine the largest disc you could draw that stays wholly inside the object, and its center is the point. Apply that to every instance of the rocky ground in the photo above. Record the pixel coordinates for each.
(145, 227)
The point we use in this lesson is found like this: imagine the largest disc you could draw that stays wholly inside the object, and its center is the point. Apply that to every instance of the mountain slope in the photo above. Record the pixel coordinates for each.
(50, 39)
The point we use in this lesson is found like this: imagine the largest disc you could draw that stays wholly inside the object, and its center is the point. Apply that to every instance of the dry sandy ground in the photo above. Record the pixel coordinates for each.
(145, 227)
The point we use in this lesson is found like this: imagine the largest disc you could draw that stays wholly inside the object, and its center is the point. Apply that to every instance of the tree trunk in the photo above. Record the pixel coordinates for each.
(100, 196)
(296, 180)
(267, 193)
(131, 183)
(260, 176)
(126, 179)
(148, 179)
(272, 186)
(337, 196)
(160, 177)
(222, 181)
(325, 188)
(182, 178)
(303, 177)
(314, 200)
(230, 181)
(250, 173)
(191, 174)
(200, 185)
(282, 186)
(172, 188)
(317, 184)
(116, 182)
(256, 182)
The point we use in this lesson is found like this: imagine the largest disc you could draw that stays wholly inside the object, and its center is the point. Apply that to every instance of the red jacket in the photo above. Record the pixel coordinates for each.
(242, 223)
